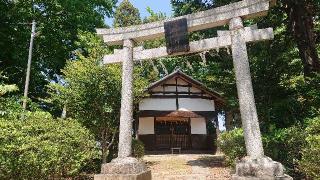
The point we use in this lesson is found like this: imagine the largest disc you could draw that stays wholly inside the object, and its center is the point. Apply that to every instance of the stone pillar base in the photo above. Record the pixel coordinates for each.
(259, 169)
(124, 169)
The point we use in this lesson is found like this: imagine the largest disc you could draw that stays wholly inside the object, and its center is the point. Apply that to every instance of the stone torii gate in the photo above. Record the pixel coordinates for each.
(255, 165)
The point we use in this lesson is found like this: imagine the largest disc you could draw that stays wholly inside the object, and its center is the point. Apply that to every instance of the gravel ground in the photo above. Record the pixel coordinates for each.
(187, 167)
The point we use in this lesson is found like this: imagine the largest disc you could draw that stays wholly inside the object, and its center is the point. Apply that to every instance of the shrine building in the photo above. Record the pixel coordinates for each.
(177, 112)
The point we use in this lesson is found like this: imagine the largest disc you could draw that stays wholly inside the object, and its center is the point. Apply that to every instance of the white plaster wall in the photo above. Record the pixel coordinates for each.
(198, 126)
(183, 89)
(182, 82)
(158, 104)
(158, 88)
(170, 88)
(146, 125)
(185, 104)
(192, 104)
(173, 88)
(193, 89)
(170, 81)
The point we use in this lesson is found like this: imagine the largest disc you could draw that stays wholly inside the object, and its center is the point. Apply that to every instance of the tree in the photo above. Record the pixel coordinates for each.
(301, 16)
(58, 23)
(4, 88)
(92, 91)
(126, 15)
(7, 88)
(183, 7)
(310, 160)
(8, 105)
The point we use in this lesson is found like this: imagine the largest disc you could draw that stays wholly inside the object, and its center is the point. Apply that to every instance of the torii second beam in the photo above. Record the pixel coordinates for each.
(251, 35)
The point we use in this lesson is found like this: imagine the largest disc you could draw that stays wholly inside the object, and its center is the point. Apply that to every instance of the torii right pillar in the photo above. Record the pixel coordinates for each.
(255, 165)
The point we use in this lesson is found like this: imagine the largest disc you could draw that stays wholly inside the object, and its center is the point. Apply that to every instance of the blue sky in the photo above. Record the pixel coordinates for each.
(156, 5)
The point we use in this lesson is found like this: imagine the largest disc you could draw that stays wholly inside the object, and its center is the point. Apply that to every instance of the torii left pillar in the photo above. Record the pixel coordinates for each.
(125, 136)
(125, 167)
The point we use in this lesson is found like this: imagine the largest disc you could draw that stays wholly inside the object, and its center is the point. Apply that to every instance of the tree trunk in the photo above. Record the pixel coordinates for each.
(216, 122)
(228, 120)
(104, 147)
(301, 23)
(104, 154)
(64, 112)
(106, 142)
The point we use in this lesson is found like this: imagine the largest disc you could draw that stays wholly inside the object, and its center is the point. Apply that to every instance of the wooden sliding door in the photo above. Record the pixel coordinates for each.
(171, 133)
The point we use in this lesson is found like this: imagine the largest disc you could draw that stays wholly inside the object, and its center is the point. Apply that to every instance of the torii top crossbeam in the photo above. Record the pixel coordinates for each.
(220, 16)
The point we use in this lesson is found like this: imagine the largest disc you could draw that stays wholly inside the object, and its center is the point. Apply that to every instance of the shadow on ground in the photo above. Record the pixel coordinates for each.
(208, 161)
(183, 152)
(152, 163)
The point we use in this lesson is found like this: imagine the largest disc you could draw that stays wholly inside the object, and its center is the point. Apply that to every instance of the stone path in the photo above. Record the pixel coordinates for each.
(187, 167)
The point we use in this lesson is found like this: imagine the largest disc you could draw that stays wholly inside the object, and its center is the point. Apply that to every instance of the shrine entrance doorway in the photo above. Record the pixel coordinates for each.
(172, 133)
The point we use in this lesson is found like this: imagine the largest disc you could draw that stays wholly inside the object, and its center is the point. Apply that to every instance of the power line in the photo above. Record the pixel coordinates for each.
(17, 23)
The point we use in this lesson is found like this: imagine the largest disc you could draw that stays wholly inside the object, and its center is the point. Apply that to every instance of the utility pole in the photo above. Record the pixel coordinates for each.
(26, 87)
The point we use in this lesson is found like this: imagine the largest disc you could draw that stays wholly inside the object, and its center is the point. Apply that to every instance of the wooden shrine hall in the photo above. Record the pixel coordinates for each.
(177, 112)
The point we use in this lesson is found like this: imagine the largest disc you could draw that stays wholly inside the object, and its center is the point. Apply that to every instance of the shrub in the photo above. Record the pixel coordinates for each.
(232, 144)
(310, 160)
(285, 145)
(296, 147)
(138, 148)
(41, 147)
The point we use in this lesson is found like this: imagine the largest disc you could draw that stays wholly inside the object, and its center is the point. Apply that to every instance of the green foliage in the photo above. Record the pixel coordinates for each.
(7, 88)
(58, 23)
(182, 7)
(126, 15)
(283, 95)
(40, 147)
(92, 91)
(311, 152)
(296, 147)
(232, 144)
(138, 148)
(285, 145)
(10, 107)
(153, 17)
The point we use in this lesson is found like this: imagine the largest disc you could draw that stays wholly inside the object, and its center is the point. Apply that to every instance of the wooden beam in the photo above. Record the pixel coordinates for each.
(179, 85)
(219, 16)
(153, 113)
(174, 92)
(195, 46)
(177, 99)
(181, 96)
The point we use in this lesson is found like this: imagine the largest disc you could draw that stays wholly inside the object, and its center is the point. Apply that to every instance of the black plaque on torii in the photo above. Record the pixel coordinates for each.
(176, 34)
